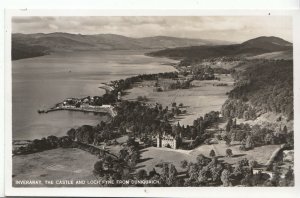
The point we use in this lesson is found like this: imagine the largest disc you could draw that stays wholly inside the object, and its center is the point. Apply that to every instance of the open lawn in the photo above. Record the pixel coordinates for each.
(151, 156)
(56, 164)
(198, 100)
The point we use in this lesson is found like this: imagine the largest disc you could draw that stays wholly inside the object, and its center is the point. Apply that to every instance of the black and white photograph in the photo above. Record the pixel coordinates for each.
(152, 101)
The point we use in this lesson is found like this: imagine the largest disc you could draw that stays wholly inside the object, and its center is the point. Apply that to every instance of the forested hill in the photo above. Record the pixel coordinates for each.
(26, 45)
(21, 50)
(264, 86)
(253, 47)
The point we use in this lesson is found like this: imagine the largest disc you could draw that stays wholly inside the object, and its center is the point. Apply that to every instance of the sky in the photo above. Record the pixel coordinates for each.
(228, 28)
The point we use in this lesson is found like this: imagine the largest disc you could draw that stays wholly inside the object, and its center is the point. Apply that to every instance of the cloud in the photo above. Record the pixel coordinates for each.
(239, 28)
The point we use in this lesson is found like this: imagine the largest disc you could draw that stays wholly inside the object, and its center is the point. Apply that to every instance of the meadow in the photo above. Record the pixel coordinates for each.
(55, 164)
(202, 98)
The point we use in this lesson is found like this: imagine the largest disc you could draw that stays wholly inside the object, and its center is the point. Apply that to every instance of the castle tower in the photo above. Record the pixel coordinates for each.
(158, 140)
(175, 143)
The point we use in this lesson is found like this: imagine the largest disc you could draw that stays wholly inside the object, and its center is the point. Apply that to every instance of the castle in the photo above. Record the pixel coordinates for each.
(167, 141)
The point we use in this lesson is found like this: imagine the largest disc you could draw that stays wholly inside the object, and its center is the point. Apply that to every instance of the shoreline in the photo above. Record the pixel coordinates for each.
(112, 88)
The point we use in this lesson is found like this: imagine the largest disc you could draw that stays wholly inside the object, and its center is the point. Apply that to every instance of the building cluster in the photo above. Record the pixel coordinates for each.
(87, 104)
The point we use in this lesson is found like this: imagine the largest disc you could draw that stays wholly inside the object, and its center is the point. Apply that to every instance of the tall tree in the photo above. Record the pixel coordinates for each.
(229, 152)
(229, 124)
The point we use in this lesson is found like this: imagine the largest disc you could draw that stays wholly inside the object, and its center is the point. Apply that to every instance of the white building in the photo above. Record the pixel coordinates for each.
(167, 141)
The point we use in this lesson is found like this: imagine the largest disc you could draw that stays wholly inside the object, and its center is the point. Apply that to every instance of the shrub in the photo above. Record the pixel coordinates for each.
(184, 163)
(212, 153)
(229, 153)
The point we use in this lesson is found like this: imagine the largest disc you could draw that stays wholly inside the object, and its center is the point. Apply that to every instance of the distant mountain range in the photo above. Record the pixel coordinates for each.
(28, 45)
(250, 48)
(31, 45)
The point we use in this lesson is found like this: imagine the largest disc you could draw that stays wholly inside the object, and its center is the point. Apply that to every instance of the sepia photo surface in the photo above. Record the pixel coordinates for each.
(152, 101)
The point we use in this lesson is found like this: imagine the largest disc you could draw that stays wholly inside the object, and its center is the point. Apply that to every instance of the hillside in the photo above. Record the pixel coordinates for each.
(263, 86)
(56, 42)
(253, 47)
(285, 55)
(20, 51)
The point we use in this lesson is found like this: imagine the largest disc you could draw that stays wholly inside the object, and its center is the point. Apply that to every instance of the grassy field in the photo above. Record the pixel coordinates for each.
(56, 164)
(152, 155)
(198, 100)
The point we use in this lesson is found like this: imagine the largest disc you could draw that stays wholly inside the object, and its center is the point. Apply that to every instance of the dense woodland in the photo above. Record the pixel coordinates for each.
(266, 86)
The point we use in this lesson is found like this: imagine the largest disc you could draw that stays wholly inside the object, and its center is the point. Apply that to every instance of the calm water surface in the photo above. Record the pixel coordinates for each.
(41, 82)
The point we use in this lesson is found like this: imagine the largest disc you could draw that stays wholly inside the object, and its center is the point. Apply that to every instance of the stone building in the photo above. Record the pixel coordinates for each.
(167, 141)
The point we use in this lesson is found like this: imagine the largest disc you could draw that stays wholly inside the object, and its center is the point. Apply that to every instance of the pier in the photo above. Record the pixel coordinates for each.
(90, 109)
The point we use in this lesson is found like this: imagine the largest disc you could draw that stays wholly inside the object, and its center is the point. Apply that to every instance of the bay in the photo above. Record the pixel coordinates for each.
(40, 82)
